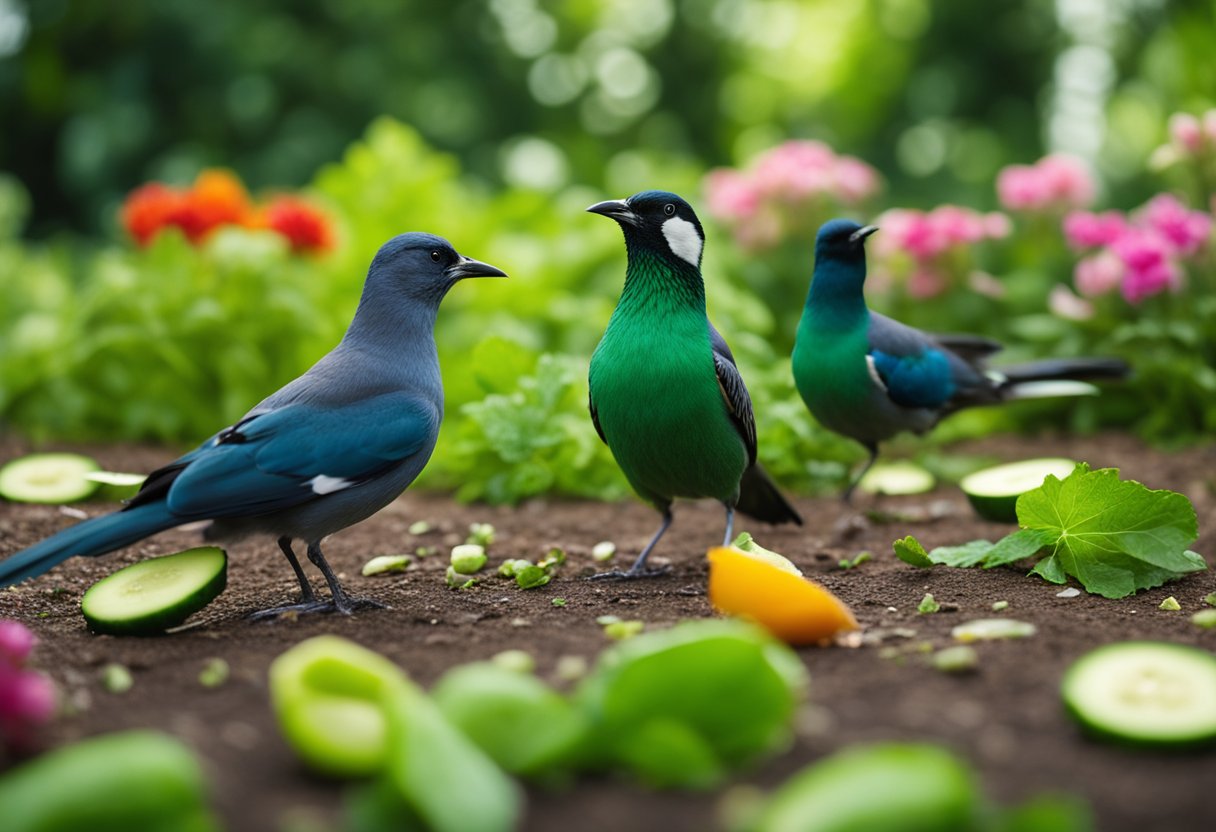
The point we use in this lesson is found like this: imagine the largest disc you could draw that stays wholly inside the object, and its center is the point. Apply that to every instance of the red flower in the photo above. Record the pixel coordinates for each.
(217, 198)
(304, 226)
(150, 208)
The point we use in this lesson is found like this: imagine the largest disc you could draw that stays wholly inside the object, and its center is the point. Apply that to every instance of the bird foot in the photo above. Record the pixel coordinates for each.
(632, 574)
(347, 606)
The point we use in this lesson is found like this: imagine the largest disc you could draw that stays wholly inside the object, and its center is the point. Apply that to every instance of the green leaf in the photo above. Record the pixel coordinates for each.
(969, 554)
(909, 550)
(1114, 536)
(1049, 569)
(1017, 546)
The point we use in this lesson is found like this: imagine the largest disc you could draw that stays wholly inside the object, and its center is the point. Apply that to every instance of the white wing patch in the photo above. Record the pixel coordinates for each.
(683, 240)
(322, 484)
(873, 368)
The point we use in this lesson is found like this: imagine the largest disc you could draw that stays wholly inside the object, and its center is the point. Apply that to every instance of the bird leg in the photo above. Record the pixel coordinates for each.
(730, 525)
(639, 570)
(306, 594)
(342, 602)
(309, 602)
(847, 496)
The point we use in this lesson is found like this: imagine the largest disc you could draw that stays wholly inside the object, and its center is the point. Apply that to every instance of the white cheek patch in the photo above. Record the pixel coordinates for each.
(683, 240)
(322, 484)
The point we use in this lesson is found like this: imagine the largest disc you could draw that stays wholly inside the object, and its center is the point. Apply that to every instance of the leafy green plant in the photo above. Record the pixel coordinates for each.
(1116, 537)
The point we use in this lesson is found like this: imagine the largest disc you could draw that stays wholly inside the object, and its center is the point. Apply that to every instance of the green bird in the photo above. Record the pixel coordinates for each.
(666, 396)
(868, 377)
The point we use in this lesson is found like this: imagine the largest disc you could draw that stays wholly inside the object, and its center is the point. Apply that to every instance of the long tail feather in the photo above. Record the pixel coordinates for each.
(760, 498)
(88, 539)
(1063, 369)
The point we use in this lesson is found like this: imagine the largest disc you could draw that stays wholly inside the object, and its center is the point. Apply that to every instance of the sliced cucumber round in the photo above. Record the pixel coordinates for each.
(896, 479)
(1143, 692)
(994, 492)
(48, 478)
(116, 485)
(151, 596)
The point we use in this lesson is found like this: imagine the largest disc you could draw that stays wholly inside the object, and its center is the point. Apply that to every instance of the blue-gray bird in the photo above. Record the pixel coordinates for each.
(869, 377)
(326, 451)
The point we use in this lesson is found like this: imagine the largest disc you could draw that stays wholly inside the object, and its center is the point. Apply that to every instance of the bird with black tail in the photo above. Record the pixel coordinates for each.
(868, 377)
(325, 452)
(666, 396)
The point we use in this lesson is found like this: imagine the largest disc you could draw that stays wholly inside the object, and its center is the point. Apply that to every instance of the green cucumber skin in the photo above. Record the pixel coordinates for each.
(1076, 708)
(156, 622)
(133, 780)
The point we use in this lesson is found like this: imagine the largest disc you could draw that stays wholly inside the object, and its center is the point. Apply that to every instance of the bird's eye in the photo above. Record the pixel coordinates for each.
(669, 209)
(435, 256)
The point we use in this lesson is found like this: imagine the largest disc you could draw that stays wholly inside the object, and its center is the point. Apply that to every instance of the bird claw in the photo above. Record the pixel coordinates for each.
(346, 607)
(632, 574)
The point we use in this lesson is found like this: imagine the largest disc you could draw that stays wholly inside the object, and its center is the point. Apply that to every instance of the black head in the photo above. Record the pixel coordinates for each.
(424, 266)
(842, 239)
(661, 222)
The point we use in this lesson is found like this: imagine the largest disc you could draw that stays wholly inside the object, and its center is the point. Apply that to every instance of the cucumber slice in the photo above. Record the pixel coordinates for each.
(116, 485)
(151, 596)
(1143, 692)
(896, 479)
(994, 492)
(47, 478)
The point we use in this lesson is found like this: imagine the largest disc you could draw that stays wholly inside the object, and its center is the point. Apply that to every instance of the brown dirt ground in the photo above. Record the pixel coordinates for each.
(1006, 718)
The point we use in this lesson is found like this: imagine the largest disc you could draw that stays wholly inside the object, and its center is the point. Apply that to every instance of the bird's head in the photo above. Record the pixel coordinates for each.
(424, 266)
(661, 223)
(842, 240)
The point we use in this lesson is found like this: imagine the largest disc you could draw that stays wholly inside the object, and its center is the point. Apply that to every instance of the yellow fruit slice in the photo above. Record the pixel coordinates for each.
(793, 608)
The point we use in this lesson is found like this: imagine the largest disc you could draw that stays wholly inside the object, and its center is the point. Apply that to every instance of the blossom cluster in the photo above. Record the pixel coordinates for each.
(1192, 138)
(1140, 254)
(27, 698)
(933, 242)
(1054, 183)
(785, 190)
(216, 199)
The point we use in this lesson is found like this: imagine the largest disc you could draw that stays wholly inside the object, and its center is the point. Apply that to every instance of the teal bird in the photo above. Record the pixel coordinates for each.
(666, 396)
(868, 377)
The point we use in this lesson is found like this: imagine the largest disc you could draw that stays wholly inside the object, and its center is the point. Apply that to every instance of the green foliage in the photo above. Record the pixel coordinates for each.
(1115, 536)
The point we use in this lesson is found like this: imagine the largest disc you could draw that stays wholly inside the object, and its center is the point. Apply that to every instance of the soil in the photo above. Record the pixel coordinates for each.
(1005, 718)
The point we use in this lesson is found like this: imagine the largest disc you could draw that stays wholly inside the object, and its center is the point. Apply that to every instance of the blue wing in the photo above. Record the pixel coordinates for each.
(917, 370)
(287, 456)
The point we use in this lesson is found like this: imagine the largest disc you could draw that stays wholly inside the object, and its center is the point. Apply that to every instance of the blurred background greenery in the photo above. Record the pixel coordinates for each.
(494, 124)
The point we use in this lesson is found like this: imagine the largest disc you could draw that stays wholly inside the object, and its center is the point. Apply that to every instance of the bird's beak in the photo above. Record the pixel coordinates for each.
(468, 267)
(617, 209)
(860, 234)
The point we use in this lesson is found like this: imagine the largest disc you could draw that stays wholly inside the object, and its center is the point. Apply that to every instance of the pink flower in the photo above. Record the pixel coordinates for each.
(795, 171)
(1019, 188)
(730, 195)
(1150, 271)
(911, 232)
(1069, 182)
(16, 642)
(855, 180)
(1084, 229)
(1064, 304)
(1054, 182)
(1185, 230)
(957, 224)
(1186, 132)
(997, 225)
(1209, 126)
(926, 282)
(1098, 274)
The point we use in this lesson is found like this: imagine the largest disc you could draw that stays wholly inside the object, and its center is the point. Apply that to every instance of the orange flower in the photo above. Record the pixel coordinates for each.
(304, 226)
(217, 198)
(150, 208)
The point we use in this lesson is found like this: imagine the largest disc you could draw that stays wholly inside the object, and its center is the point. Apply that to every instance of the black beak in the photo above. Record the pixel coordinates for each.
(468, 267)
(860, 234)
(616, 209)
